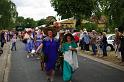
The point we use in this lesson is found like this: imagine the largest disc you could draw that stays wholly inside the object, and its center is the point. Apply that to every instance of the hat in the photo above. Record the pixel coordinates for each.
(36, 28)
(50, 29)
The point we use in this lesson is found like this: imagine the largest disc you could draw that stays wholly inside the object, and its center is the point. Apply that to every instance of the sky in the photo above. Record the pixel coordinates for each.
(36, 9)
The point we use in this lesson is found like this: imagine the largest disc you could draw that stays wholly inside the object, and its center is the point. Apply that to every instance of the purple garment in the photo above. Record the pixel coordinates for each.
(38, 40)
(50, 49)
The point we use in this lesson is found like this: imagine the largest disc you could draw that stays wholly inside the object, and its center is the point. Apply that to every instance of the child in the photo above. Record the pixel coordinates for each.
(13, 42)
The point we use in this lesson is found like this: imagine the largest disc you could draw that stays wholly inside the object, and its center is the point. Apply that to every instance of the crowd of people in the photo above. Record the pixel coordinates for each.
(45, 42)
(45, 46)
(69, 43)
(7, 36)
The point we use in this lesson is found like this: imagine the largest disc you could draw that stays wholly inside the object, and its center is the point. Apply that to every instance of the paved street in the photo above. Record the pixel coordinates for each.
(28, 70)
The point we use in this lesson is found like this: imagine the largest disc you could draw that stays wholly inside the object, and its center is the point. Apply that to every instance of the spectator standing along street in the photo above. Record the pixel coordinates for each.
(2, 40)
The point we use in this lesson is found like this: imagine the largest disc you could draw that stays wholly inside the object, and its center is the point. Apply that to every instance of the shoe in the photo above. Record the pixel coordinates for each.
(27, 56)
(51, 80)
(37, 58)
(48, 79)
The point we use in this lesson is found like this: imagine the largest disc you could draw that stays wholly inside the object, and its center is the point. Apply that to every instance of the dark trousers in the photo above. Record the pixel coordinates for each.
(13, 45)
(87, 47)
(2, 44)
(94, 48)
(104, 46)
(122, 55)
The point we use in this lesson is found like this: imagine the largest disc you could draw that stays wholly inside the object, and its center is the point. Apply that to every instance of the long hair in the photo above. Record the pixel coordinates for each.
(65, 37)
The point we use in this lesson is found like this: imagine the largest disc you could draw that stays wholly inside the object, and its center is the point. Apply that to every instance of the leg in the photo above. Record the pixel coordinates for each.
(122, 56)
(12, 46)
(104, 50)
(2, 44)
(94, 49)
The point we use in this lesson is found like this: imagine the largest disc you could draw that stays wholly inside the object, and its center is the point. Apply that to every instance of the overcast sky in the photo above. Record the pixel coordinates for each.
(36, 9)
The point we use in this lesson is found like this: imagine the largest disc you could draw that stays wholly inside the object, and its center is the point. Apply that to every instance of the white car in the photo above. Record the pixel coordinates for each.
(110, 40)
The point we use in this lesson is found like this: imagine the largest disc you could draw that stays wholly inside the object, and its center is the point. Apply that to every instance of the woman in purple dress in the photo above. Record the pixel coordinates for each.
(38, 38)
(50, 47)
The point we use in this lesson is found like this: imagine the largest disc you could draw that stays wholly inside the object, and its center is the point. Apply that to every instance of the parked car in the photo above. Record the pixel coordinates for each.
(110, 40)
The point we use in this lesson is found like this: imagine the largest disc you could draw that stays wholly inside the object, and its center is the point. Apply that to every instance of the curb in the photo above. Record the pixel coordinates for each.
(104, 62)
(7, 68)
(6, 63)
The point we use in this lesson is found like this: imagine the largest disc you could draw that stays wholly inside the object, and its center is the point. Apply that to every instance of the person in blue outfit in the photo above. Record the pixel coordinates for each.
(38, 38)
(50, 47)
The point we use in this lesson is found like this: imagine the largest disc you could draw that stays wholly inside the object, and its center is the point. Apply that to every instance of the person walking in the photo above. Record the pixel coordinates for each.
(70, 62)
(13, 42)
(50, 47)
(38, 38)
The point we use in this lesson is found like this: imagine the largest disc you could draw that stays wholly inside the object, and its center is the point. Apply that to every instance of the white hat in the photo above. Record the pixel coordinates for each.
(36, 28)
(85, 31)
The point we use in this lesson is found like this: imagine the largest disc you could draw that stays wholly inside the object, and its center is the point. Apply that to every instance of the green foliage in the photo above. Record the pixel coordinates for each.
(90, 26)
(41, 22)
(26, 23)
(117, 11)
(8, 14)
(79, 9)
(29, 22)
(50, 20)
(73, 8)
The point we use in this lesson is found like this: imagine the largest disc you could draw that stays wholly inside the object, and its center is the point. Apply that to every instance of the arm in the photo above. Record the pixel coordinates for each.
(75, 47)
(41, 46)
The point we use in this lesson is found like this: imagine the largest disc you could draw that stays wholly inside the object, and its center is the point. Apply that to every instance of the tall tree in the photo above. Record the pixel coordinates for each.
(73, 8)
(101, 12)
(41, 22)
(117, 11)
(30, 23)
(20, 21)
(7, 14)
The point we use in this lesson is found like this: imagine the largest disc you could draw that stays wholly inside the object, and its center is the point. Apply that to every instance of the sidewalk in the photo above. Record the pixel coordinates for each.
(5, 63)
(110, 60)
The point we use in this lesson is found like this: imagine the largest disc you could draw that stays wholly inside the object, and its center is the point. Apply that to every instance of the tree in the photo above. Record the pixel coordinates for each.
(73, 8)
(30, 23)
(20, 21)
(50, 20)
(101, 12)
(117, 11)
(8, 14)
(41, 22)
(90, 26)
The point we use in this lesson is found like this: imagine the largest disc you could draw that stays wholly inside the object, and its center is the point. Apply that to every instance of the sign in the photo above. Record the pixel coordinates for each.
(19, 28)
